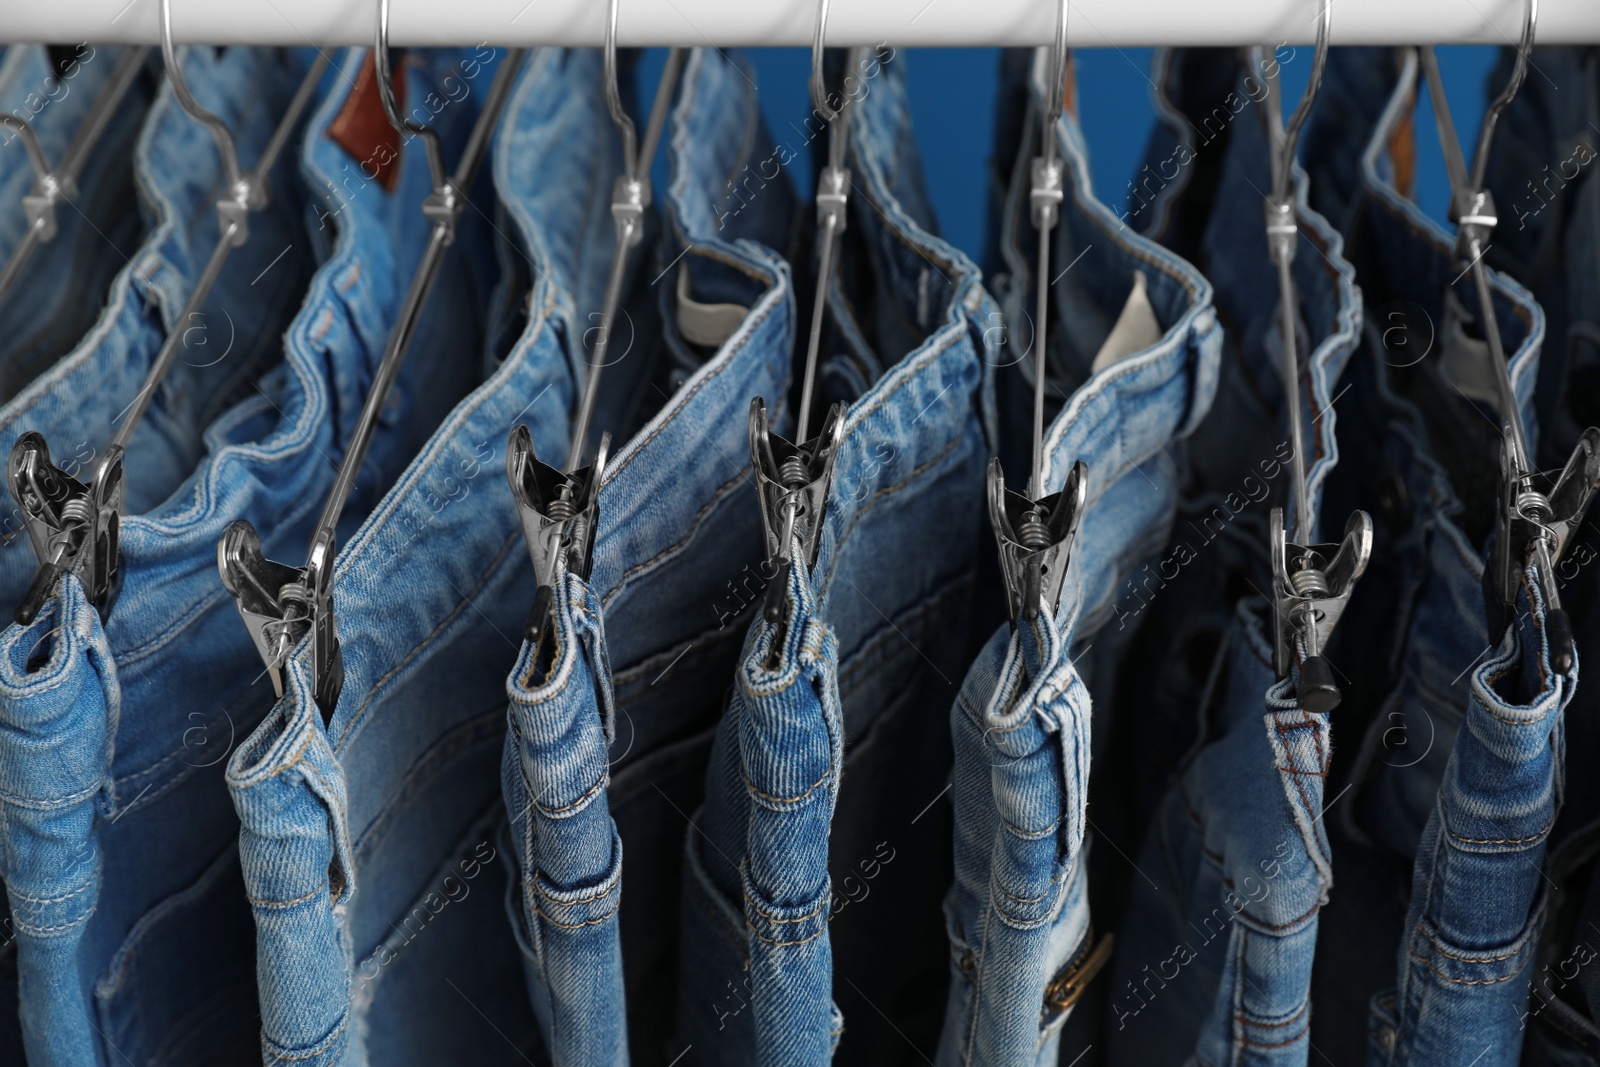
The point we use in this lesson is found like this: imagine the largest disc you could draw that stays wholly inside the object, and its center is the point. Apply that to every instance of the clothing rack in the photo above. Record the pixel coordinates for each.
(904, 23)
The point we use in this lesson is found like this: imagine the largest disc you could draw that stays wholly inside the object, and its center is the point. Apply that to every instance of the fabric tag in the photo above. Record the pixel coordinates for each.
(1464, 359)
(362, 129)
(705, 324)
(1135, 331)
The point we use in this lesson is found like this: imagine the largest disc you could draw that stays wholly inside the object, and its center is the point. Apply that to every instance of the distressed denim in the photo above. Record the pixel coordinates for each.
(832, 716)
(1487, 794)
(1545, 169)
(235, 339)
(1018, 911)
(1478, 891)
(132, 938)
(1199, 193)
(608, 730)
(1217, 941)
(56, 298)
(43, 316)
(1423, 463)
(372, 848)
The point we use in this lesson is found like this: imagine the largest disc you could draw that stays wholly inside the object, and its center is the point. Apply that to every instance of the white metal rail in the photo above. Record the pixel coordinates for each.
(902, 23)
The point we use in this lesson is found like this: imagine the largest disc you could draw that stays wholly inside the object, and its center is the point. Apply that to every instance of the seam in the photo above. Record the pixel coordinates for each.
(689, 531)
(52, 900)
(748, 784)
(315, 1050)
(860, 513)
(787, 944)
(1443, 951)
(547, 917)
(583, 798)
(1500, 840)
(1460, 981)
(275, 904)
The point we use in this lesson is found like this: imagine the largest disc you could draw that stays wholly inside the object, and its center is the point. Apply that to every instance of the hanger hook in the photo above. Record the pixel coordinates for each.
(1057, 85)
(180, 89)
(30, 143)
(1283, 159)
(630, 137)
(819, 89)
(1519, 73)
(402, 125)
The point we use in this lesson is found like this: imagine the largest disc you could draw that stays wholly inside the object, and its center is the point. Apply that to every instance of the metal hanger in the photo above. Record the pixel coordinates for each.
(1036, 531)
(76, 526)
(1311, 583)
(792, 477)
(558, 508)
(52, 187)
(280, 603)
(1537, 511)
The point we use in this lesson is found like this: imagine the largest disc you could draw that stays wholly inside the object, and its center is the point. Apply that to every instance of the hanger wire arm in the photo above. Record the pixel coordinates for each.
(89, 132)
(1475, 222)
(1283, 234)
(416, 296)
(1047, 193)
(629, 199)
(233, 232)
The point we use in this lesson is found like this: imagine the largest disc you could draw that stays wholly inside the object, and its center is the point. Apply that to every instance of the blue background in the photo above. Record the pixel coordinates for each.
(952, 99)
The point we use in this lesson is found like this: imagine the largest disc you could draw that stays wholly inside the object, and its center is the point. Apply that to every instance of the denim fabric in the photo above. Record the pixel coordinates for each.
(1214, 964)
(371, 848)
(1422, 463)
(78, 403)
(1543, 171)
(833, 706)
(1478, 891)
(55, 300)
(1018, 913)
(1217, 938)
(1200, 193)
(45, 311)
(609, 729)
(132, 938)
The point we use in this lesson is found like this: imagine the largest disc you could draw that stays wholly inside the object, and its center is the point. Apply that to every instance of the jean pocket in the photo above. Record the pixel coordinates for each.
(181, 989)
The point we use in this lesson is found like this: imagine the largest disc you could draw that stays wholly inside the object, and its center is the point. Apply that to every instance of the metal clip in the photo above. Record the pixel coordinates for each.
(278, 603)
(1536, 513)
(792, 482)
(73, 525)
(1046, 192)
(272, 597)
(1036, 539)
(1536, 518)
(97, 506)
(833, 198)
(1309, 595)
(559, 513)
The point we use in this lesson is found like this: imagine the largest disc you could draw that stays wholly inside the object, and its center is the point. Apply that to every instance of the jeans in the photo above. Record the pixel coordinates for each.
(42, 315)
(132, 938)
(54, 301)
(608, 731)
(1423, 461)
(1199, 194)
(371, 847)
(1543, 169)
(1234, 864)
(1018, 912)
(821, 853)
(236, 337)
